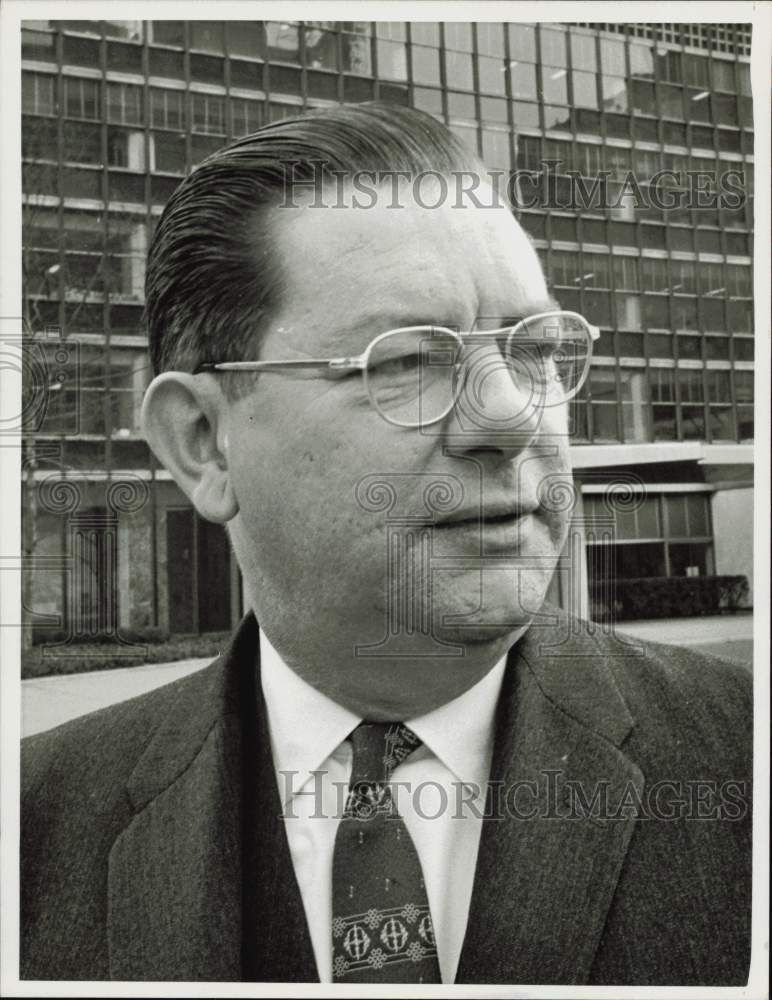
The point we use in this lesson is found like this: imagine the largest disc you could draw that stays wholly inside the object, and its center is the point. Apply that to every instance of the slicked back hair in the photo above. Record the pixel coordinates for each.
(213, 278)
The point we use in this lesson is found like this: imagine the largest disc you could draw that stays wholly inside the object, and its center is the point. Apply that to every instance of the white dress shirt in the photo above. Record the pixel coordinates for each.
(441, 804)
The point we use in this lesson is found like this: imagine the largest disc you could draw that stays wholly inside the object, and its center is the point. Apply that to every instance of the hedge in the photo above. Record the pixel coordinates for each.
(46, 659)
(667, 597)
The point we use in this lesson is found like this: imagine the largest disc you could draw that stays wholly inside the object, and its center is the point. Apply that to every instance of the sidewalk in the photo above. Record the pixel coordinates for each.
(50, 701)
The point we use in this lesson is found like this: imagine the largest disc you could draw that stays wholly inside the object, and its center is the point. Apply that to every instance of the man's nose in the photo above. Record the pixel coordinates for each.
(493, 411)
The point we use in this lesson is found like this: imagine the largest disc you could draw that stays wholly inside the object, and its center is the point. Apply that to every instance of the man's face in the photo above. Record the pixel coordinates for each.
(428, 547)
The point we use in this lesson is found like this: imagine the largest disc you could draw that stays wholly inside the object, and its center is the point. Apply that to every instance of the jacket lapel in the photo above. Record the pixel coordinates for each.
(546, 871)
(185, 873)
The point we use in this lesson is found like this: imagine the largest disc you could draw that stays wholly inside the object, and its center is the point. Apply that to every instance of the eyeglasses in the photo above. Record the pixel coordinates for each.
(414, 375)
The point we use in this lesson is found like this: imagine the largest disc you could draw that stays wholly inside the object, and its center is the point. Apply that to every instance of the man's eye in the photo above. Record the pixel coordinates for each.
(401, 365)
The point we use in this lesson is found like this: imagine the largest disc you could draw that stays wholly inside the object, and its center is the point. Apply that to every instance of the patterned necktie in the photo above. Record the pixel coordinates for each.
(381, 925)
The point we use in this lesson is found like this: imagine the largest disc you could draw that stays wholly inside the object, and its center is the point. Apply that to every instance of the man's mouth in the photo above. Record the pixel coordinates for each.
(491, 515)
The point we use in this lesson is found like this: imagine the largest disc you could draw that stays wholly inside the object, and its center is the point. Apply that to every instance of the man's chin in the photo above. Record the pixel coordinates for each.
(485, 607)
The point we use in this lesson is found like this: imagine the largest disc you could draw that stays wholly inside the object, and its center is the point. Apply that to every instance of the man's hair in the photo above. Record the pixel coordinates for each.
(213, 277)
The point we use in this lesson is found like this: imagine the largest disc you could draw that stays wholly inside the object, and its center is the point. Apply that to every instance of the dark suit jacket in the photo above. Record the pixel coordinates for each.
(152, 846)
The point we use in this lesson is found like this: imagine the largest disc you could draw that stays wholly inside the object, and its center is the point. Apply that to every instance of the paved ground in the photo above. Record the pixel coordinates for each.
(49, 701)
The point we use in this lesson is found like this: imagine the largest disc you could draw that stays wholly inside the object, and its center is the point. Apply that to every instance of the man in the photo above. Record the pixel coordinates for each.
(411, 770)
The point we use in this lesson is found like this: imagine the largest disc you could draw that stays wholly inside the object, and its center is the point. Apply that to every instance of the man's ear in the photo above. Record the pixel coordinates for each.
(184, 422)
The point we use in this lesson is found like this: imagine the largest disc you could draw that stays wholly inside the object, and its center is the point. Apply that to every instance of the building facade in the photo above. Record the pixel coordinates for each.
(628, 149)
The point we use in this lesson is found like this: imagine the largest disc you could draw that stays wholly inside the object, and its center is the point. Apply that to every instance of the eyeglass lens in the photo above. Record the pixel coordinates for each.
(414, 376)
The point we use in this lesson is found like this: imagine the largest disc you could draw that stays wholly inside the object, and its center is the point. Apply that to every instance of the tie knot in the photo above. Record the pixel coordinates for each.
(379, 747)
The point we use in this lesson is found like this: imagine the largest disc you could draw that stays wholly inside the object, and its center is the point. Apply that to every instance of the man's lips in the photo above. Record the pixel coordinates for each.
(488, 515)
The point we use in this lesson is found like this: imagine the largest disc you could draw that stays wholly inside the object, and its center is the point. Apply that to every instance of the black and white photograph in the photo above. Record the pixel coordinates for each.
(314, 676)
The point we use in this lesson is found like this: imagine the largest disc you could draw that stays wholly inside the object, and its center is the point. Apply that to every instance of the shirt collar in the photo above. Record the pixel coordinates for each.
(306, 727)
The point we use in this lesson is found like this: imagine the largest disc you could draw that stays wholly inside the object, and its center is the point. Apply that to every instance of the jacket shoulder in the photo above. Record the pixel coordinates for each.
(100, 748)
(686, 703)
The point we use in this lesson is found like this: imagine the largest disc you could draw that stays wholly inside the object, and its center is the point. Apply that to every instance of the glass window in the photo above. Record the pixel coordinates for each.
(719, 390)
(394, 30)
(283, 42)
(522, 42)
(425, 33)
(38, 94)
(553, 47)
(81, 98)
(357, 57)
(321, 49)
(677, 517)
(554, 117)
(493, 109)
(38, 45)
(656, 312)
(554, 85)
(603, 391)
(723, 76)
(490, 38)
(565, 267)
(131, 31)
(246, 38)
(626, 272)
(495, 147)
(166, 62)
(642, 96)
(461, 105)
(202, 146)
(713, 318)
(662, 385)
(168, 152)
(126, 148)
(428, 100)
(685, 317)
(166, 108)
(739, 280)
(208, 114)
(614, 93)
(683, 275)
(124, 58)
(583, 51)
(628, 311)
(670, 67)
(690, 382)
(207, 36)
(82, 143)
(655, 274)
(642, 60)
(596, 271)
(458, 70)
(80, 52)
(458, 35)
(246, 116)
(635, 406)
(124, 103)
(717, 348)
(392, 60)
(168, 32)
(585, 92)
(671, 101)
(523, 81)
(426, 64)
(207, 69)
(492, 75)
(612, 56)
(696, 71)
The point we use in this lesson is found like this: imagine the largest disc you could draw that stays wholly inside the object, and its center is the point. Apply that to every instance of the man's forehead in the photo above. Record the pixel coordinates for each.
(389, 265)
